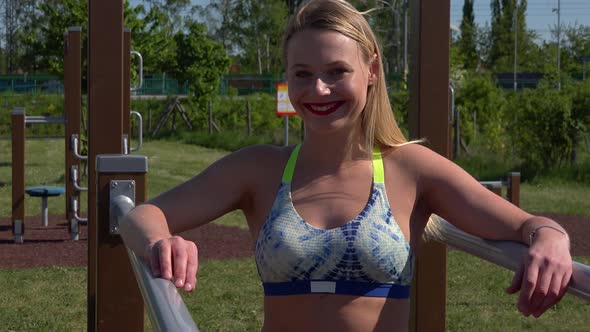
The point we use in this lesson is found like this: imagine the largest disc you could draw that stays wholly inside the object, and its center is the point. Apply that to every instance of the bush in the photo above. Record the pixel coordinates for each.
(478, 94)
(541, 127)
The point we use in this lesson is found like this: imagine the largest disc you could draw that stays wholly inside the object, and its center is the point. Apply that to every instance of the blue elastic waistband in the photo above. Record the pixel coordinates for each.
(336, 287)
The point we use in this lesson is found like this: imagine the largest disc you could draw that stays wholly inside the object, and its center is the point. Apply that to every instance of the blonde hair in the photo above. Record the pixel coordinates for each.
(377, 121)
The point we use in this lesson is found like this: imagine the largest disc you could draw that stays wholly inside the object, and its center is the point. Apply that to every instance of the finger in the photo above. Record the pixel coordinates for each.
(192, 267)
(165, 260)
(554, 293)
(179, 262)
(155, 261)
(546, 282)
(528, 285)
(559, 287)
(516, 280)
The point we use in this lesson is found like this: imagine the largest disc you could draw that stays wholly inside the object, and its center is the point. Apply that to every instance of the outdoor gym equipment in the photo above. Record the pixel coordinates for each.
(19, 120)
(44, 192)
(114, 301)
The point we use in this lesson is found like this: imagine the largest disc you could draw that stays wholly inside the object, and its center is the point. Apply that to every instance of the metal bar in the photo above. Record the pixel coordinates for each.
(40, 119)
(507, 254)
(74, 180)
(74, 145)
(139, 131)
(139, 71)
(165, 307)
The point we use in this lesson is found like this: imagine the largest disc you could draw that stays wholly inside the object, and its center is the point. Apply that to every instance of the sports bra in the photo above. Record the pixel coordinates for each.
(367, 256)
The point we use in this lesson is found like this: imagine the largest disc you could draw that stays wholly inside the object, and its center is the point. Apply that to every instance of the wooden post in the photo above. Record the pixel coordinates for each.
(73, 111)
(114, 301)
(514, 188)
(429, 118)
(127, 86)
(18, 174)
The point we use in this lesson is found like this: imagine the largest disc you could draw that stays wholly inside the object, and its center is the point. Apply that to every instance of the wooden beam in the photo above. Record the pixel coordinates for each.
(429, 119)
(114, 304)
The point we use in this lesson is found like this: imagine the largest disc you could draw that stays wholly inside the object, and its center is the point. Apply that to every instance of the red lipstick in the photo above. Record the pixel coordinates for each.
(323, 109)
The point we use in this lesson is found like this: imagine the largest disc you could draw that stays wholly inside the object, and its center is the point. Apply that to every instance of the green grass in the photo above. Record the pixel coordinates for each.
(43, 299)
(477, 301)
(229, 295)
(229, 298)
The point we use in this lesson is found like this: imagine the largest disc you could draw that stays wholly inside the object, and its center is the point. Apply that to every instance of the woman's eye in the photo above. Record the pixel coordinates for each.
(338, 72)
(302, 74)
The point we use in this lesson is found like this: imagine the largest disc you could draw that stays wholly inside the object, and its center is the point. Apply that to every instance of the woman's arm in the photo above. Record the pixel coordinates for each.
(450, 192)
(226, 185)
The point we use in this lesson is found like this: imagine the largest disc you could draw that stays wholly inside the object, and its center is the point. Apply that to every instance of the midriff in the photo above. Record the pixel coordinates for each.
(328, 312)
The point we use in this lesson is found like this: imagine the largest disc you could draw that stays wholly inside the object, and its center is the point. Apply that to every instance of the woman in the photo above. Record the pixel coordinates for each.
(337, 220)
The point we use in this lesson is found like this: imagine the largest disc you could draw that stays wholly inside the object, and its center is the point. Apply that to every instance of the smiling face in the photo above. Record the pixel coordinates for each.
(328, 79)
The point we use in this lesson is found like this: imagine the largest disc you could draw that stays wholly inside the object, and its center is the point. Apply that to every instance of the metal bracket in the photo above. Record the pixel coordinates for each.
(119, 188)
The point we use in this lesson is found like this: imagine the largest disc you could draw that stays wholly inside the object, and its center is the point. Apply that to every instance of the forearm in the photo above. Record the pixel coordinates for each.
(144, 225)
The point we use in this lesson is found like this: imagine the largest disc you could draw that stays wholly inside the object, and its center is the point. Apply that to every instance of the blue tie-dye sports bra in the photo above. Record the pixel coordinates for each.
(367, 256)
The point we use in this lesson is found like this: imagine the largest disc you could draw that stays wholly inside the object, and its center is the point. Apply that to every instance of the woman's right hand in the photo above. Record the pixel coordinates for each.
(175, 259)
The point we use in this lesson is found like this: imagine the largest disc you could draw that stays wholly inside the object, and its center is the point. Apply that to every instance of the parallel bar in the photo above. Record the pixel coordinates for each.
(507, 254)
(165, 306)
(40, 119)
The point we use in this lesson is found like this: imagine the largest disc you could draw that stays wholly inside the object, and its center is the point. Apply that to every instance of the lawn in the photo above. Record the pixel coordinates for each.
(53, 298)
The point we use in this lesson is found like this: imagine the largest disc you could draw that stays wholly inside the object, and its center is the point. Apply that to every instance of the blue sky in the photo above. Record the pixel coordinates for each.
(540, 15)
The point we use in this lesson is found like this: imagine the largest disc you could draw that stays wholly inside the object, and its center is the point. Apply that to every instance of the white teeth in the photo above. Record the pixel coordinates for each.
(322, 108)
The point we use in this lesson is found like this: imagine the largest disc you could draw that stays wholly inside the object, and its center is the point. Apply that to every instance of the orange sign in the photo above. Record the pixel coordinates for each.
(284, 107)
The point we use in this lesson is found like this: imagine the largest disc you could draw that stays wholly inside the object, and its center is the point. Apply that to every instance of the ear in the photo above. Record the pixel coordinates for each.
(373, 69)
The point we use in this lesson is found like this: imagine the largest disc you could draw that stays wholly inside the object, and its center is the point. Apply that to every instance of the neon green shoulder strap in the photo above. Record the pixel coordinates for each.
(378, 174)
(290, 167)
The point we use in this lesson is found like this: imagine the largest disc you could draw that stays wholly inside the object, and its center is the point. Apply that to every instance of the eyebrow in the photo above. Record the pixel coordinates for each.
(334, 63)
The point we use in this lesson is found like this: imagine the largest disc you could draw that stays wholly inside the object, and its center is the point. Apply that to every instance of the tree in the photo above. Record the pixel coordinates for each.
(575, 43)
(467, 42)
(200, 62)
(15, 12)
(250, 30)
(42, 36)
(292, 5)
(508, 21)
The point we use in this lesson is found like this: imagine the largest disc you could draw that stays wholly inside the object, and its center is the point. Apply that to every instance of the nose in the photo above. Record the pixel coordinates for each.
(321, 88)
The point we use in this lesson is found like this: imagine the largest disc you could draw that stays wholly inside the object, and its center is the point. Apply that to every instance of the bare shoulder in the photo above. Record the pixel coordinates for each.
(257, 160)
(414, 158)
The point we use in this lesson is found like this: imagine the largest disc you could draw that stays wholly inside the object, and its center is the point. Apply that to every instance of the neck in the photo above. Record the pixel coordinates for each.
(333, 150)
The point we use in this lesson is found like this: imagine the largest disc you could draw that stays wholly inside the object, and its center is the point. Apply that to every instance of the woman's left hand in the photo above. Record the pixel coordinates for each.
(544, 274)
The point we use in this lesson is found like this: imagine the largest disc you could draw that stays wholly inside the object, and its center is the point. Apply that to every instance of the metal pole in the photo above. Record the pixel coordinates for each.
(405, 19)
(515, 45)
(558, 44)
(286, 121)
